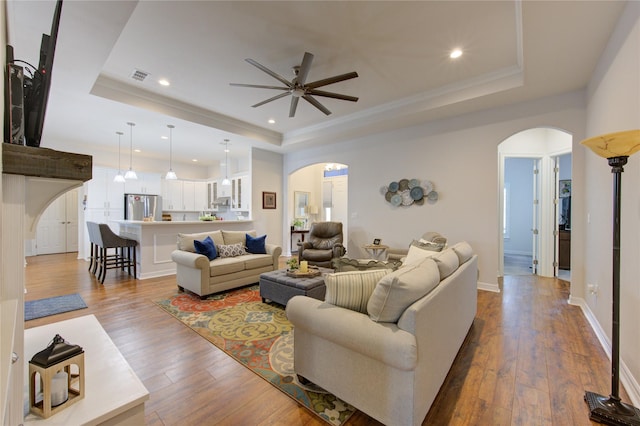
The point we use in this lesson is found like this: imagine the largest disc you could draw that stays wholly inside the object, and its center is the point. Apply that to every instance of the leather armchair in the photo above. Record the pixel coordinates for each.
(324, 244)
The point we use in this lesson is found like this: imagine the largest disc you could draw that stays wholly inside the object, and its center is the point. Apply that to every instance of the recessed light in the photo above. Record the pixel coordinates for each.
(137, 150)
(455, 53)
(164, 82)
(164, 137)
(271, 121)
(195, 160)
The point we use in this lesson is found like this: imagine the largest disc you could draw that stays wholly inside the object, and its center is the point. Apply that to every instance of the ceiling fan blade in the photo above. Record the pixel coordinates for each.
(271, 73)
(258, 86)
(331, 80)
(332, 95)
(294, 105)
(316, 104)
(281, 95)
(304, 68)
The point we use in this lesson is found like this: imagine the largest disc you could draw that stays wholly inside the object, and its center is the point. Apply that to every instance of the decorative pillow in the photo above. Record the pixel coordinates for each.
(428, 245)
(256, 245)
(418, 252)
(463, 250)
(351, 290)
(206, 247)
(345, 264)
(447, 262)
(398, 290)
(231, 250)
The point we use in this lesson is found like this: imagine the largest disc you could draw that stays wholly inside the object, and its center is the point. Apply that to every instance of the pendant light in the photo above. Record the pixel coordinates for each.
(226, 181)
(171, 175)
(130, 173)
(119, 178)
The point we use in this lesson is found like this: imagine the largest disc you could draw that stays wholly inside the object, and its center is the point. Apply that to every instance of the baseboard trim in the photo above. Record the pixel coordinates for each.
(488, 287)
(626, 378)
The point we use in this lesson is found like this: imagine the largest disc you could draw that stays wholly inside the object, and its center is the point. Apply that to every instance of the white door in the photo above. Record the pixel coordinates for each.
(340, 200)
(535, 226)
(57, 230)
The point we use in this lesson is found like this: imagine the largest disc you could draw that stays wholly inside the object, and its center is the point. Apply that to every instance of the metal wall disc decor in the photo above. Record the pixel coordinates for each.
(406, 192)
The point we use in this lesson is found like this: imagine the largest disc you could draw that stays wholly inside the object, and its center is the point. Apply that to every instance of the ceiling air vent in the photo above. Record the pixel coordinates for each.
(139, 75)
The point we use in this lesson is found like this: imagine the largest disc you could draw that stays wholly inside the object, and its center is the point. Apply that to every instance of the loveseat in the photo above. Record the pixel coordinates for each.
(230, 268)
(389, 355)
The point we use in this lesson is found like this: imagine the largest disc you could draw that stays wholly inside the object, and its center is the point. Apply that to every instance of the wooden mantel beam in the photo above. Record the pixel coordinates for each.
(45, 163)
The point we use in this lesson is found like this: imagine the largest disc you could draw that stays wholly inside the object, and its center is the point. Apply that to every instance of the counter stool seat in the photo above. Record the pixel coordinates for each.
(102, 238)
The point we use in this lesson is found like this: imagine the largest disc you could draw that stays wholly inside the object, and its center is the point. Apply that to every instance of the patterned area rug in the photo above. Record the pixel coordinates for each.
(259, 336)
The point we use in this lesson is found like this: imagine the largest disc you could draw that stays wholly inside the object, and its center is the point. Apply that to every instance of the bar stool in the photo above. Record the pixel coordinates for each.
(102, 239)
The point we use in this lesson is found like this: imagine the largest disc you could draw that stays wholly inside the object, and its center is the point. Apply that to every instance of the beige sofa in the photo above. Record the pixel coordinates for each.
(194, 272)
(390, 370)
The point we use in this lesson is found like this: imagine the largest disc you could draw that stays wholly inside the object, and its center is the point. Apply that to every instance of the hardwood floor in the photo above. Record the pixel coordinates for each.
(527, 360)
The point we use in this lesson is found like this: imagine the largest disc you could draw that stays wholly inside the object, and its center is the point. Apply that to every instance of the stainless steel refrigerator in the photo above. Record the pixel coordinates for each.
(142, 207)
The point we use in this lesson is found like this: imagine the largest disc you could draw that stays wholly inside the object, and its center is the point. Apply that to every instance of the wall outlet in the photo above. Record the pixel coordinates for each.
(593, 289)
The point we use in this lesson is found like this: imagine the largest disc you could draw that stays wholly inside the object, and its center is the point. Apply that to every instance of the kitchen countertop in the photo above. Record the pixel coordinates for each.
(179, 222)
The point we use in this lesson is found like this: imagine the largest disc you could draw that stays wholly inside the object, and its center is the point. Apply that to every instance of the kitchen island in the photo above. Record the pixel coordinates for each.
(157, 240)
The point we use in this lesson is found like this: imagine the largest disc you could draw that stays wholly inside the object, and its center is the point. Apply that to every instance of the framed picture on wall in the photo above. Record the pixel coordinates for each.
(268, 200)
(564, 188)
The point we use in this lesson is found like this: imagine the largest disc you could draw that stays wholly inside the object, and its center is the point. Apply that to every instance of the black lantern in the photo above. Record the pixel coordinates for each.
(57, 372)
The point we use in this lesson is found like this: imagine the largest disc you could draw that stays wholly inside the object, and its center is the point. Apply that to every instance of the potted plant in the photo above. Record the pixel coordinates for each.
(292, 263)
(297, 224)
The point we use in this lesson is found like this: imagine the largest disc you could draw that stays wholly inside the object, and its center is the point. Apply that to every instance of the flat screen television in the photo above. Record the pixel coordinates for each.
(36, 88)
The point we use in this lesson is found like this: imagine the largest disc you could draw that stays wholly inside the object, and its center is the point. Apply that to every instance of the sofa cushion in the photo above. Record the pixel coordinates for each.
(232, 250)
(235, 237)
(256, 245)
(447, 262)
(226, 265)
(352, 290)
(206, 247)
(255, 261)
(185, 241)
(399, 289)
(463, 250)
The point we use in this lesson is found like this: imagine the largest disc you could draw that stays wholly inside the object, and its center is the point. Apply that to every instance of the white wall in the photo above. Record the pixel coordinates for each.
(614, 105)
(459, 156)
(266, 176)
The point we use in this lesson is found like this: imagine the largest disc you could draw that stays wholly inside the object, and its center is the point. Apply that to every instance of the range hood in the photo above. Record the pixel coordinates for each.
(222, 201)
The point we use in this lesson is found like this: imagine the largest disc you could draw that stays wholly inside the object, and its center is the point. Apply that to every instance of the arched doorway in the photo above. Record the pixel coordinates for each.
(530, 208)
(318, 192)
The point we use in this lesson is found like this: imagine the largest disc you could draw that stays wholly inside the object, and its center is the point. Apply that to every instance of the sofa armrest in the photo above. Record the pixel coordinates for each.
(189, 259)
(382, 341)
(275, 251)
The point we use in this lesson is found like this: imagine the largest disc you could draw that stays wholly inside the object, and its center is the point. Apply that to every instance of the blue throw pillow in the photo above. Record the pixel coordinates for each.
(206, 247)
(256, 245)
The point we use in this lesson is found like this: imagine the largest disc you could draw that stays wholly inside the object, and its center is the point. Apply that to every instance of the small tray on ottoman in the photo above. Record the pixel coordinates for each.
(313, 271)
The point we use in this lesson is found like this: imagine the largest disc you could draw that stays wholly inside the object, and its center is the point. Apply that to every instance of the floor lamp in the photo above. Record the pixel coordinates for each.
(616, 148)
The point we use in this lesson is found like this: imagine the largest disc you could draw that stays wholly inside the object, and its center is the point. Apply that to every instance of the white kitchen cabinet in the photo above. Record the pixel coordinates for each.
(188, 196)
(240, 193)
(201, 199)
(102, 192)
(147, 183)
(172, 195)
(212, 195)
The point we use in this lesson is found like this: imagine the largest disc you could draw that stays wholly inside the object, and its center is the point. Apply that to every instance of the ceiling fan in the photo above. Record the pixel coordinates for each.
(297, 87)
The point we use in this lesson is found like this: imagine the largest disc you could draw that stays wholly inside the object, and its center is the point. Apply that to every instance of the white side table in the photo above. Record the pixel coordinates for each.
(376, 251)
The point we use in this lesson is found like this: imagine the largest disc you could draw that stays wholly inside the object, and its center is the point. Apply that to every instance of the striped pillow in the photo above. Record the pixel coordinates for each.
(351, 290)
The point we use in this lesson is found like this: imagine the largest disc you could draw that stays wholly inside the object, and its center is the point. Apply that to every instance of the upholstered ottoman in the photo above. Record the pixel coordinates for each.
(278, 287)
